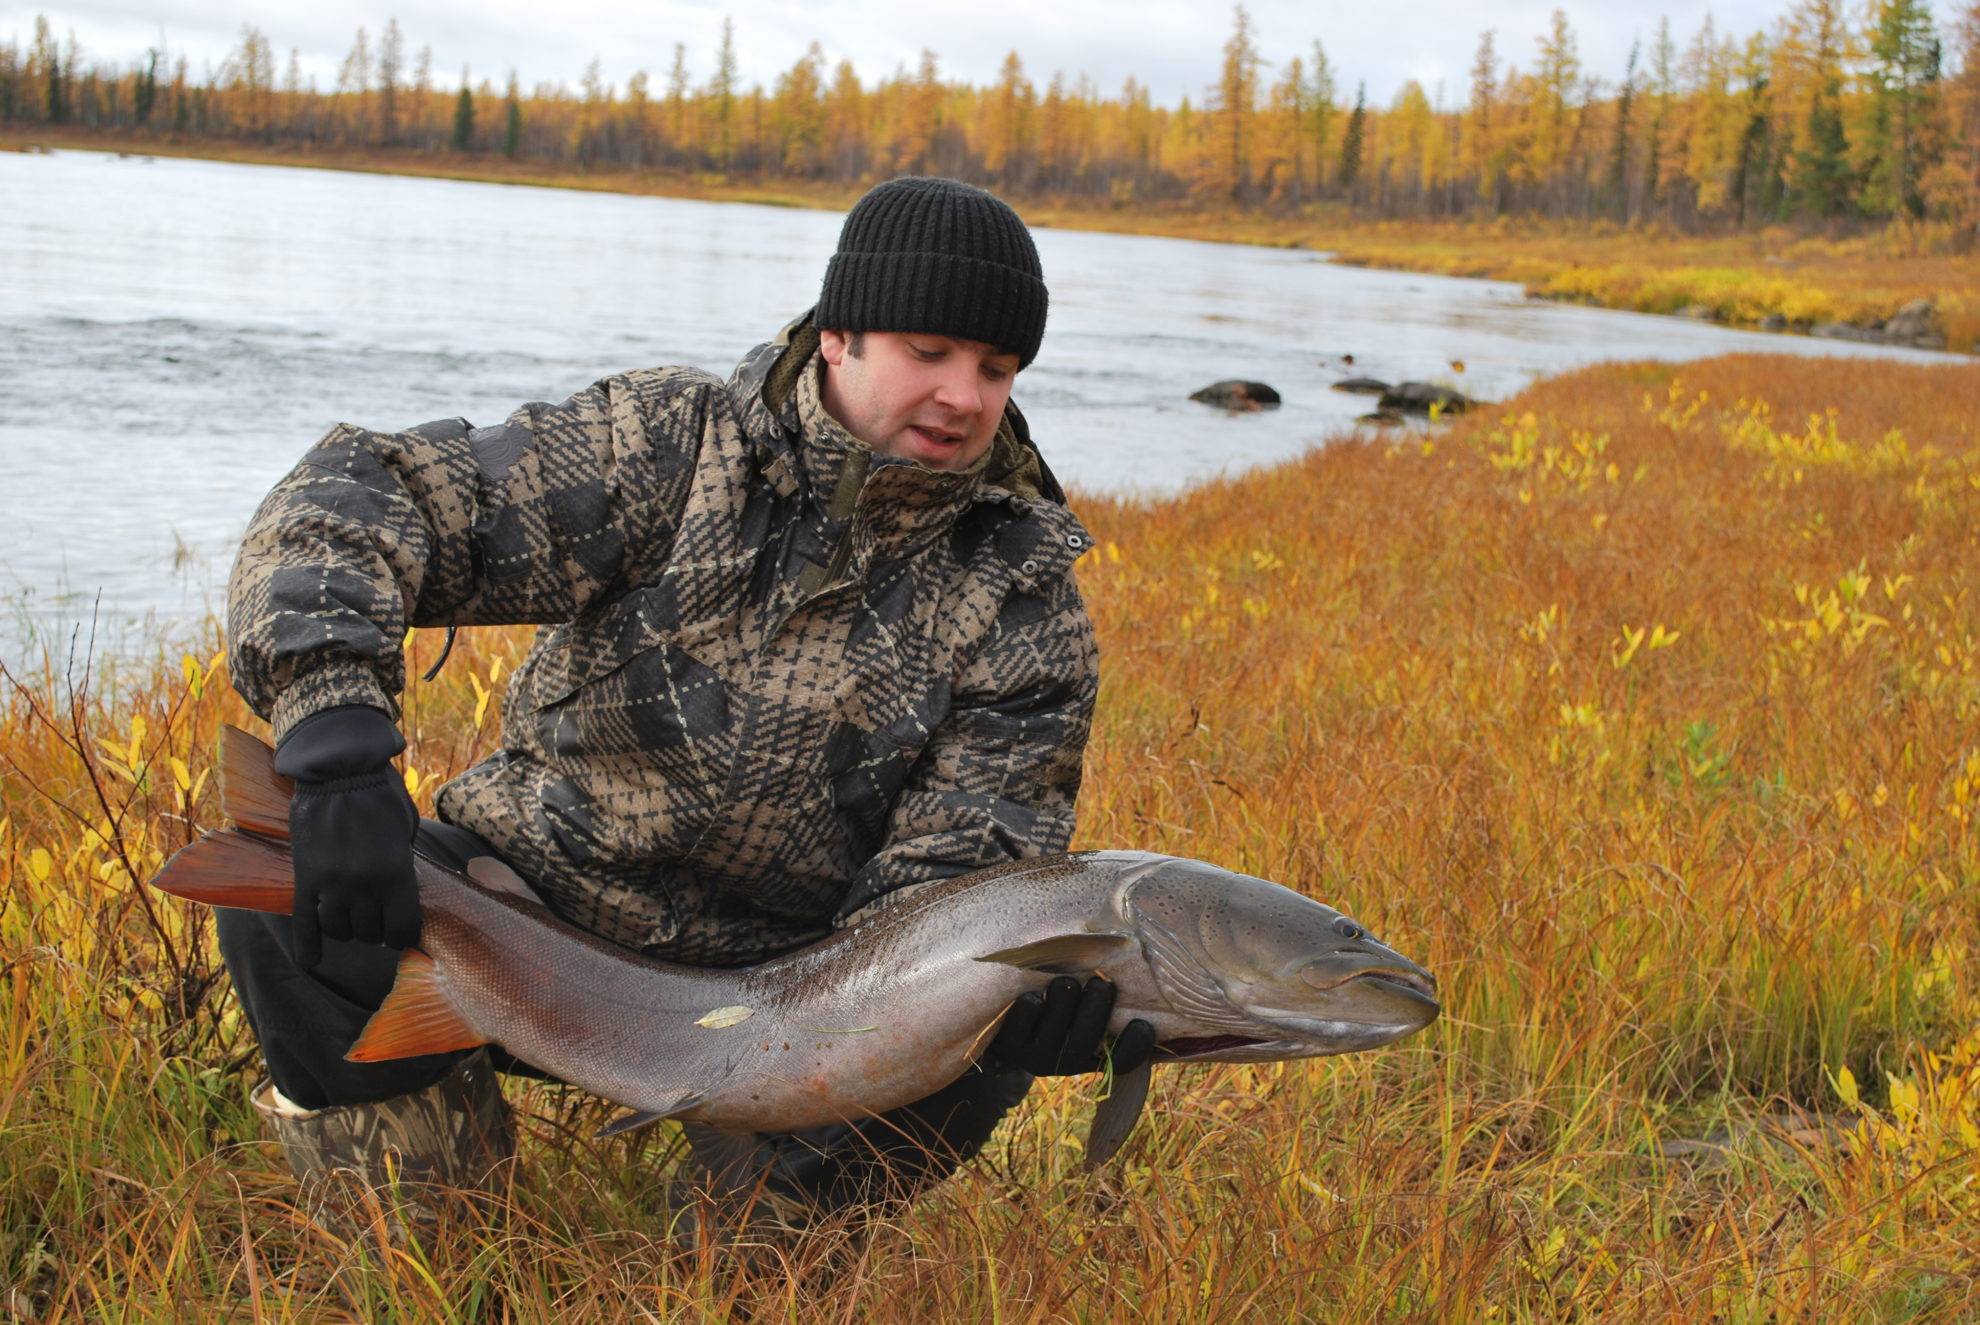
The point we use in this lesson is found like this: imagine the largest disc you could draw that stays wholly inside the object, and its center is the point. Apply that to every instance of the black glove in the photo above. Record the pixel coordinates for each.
(1061, 1032)
(351, 827)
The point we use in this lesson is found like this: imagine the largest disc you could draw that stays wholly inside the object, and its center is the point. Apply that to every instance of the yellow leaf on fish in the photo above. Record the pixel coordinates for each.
(722, 1017)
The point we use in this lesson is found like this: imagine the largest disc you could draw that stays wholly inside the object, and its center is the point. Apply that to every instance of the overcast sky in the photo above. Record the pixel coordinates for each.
(1170, 45)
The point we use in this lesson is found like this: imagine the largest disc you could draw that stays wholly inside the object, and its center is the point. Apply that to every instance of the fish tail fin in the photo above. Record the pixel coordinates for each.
(252, 793)
(417, 1017)
(227, 868)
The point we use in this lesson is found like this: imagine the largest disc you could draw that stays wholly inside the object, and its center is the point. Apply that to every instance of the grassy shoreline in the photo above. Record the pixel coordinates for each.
(1740, 280)
(1641, 709)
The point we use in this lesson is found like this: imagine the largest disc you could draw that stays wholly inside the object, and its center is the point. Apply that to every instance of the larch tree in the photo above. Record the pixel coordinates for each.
(1321, 113)
(1481, 152)
(1007, 116)
(799, 110)
(1236, 102)
(677, 102)
(722, 98)
(391, 68)
(1557, 78)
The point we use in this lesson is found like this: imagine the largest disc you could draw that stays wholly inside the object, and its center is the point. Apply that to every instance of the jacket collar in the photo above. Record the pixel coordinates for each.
(894, 505)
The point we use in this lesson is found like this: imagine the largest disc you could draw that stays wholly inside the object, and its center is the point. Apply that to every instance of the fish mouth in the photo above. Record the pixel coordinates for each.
(1407, 981)
(1195, 1046)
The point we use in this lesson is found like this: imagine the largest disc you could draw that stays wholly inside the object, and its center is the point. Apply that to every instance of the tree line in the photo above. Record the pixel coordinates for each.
(1833, 112)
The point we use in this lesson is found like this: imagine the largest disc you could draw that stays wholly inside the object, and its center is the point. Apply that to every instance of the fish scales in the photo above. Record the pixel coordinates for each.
(1226, 967)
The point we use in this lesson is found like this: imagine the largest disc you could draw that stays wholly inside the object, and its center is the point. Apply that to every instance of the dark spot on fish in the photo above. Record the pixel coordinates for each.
(787, 1046)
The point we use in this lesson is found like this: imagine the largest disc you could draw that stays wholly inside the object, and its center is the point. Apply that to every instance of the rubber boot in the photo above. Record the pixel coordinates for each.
(348, 1159)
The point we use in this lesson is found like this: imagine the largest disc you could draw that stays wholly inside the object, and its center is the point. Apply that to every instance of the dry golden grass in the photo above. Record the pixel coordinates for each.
(1645, 710)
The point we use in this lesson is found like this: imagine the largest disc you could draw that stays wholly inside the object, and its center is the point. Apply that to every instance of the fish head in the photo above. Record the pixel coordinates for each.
(1239, 969)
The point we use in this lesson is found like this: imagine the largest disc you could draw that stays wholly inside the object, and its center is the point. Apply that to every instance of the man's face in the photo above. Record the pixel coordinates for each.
(932, 399)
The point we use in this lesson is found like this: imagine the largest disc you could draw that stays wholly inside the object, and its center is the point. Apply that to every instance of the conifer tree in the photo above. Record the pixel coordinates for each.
(1351, 138)
(464, 115)
(722, 93)
(1321, 109)
(1904, 72)
(512, 130)
(1480, 121)
(1237, 100)
(1618, 181)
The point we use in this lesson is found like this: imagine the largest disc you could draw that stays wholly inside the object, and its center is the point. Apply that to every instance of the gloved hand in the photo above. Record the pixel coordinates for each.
(351, 827)
(1061, 1032)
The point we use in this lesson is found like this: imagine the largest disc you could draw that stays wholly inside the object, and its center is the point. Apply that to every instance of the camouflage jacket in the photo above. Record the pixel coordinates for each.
(778, 677)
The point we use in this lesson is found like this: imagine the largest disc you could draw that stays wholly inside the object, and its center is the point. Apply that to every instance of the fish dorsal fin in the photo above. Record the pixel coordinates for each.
(252, 793)
(1190, 988)
(1117, 1115)
(1064, 954)
(416, 1018)
(496, 877)
(632, 1122)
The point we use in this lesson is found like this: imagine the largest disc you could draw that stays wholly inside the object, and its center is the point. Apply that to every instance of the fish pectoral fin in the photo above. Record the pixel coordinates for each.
(416, 1018)
(1117, 1115)
(639, 1118)
(1064, 954)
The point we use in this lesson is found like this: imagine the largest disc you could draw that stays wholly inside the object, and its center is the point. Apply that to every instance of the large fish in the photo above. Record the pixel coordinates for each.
(1226, 967)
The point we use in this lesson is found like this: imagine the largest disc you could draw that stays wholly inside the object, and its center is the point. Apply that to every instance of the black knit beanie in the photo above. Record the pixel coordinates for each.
(935, 255)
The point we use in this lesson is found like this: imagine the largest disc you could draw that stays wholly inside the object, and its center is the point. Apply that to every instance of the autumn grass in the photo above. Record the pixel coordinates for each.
(1740, 279)
(1645, 709)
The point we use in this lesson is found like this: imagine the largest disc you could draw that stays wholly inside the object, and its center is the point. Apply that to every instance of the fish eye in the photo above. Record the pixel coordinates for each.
(1348, 930)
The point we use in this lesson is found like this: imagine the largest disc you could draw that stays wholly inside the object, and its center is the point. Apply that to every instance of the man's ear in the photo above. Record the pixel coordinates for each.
(833, 345)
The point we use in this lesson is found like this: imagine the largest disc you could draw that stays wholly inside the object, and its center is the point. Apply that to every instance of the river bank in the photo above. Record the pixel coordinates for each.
(1846, 287)
(1550, 699)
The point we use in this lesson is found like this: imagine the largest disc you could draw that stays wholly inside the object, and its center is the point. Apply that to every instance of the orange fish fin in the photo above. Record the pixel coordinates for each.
(227, 868)
(416, 1018)
(252, 793)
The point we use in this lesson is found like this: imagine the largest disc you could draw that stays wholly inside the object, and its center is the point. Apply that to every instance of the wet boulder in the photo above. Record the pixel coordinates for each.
(1913, 323)
(1363, 386)
(1846, 331)
(1236, 395)
(1774, 322)
(1422, 397)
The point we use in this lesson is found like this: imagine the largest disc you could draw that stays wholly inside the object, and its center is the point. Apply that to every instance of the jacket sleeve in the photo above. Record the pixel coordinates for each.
(999, 779)
(448, 524)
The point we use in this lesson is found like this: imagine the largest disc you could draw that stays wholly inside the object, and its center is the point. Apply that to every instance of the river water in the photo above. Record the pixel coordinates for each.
(174, 334)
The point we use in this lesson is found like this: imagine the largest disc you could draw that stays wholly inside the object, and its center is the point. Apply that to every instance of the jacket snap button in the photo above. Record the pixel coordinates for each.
(1074, 540)
(1029, 567)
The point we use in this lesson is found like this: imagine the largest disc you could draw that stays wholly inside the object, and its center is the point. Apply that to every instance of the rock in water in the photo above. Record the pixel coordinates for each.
(1912, 323)
(1363, 386)
(1421, 397)
(1235, 395)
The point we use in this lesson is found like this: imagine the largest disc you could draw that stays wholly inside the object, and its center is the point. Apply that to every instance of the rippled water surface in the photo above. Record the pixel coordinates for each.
(174, 334)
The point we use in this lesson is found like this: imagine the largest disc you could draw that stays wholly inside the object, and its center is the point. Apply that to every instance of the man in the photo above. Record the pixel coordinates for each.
(810, 638)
